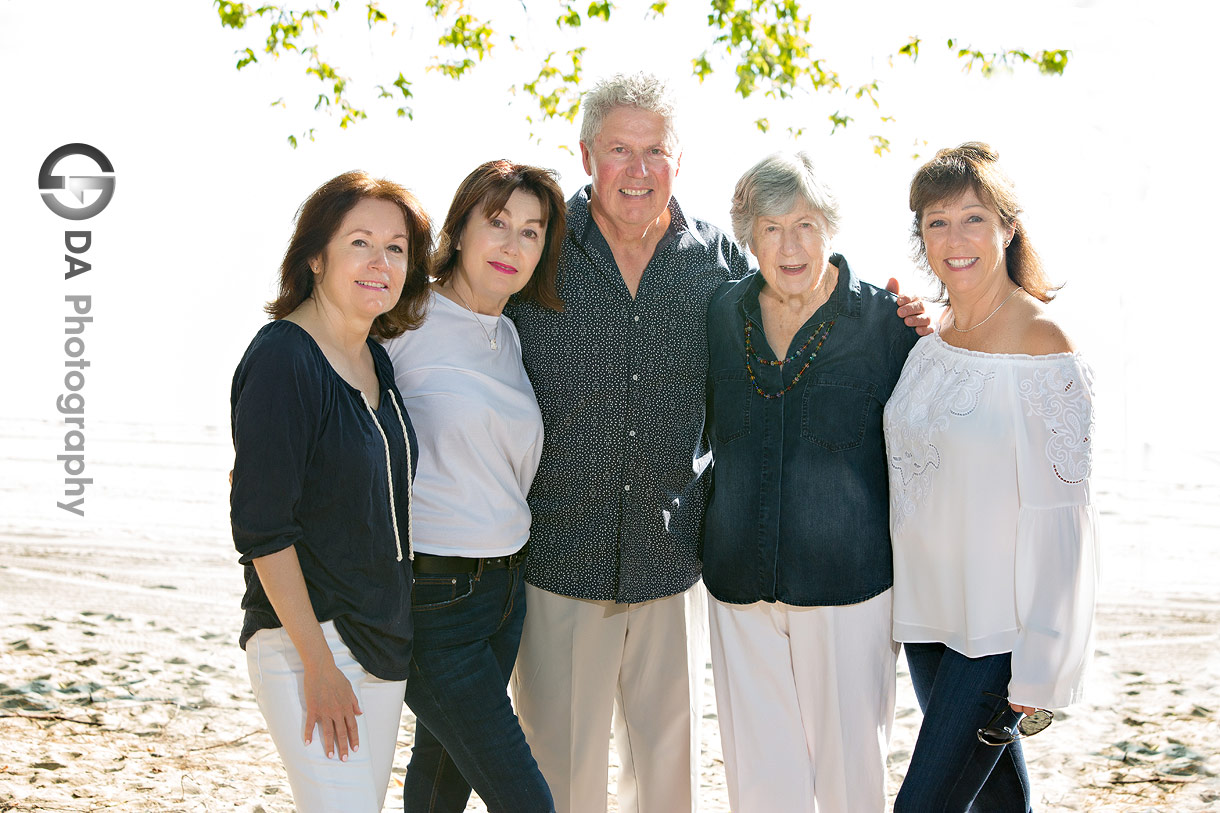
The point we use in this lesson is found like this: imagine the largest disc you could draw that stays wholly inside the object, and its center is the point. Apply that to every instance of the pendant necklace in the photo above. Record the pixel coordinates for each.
(495, 331)
(953, 322)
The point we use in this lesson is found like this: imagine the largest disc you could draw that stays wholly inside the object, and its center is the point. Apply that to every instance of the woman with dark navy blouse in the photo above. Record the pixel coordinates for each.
(802, 357)
(321, 503)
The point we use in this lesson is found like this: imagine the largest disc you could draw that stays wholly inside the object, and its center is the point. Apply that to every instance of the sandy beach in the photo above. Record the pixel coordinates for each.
(122, 687)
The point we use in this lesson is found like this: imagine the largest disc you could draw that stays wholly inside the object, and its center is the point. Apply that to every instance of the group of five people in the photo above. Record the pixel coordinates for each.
(654, 411)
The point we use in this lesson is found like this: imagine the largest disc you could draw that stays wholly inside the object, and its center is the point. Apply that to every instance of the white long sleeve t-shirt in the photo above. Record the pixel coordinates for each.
(479, 430)
(991, 514)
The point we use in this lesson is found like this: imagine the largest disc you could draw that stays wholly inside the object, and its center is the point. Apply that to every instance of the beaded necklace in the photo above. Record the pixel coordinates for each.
(750, 352)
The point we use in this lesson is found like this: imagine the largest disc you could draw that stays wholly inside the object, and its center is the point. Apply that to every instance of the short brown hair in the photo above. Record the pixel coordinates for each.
(490, 186)
(974, 165)
(317, 221)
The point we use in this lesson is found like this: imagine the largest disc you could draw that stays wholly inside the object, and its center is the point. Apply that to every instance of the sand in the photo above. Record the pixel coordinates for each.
(122, 687)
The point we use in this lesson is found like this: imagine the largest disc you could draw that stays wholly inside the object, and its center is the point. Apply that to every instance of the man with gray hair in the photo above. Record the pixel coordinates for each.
(620, 374)
(618, 500)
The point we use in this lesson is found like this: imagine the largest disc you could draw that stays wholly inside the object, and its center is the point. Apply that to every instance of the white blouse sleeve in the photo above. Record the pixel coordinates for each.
(1056, 549)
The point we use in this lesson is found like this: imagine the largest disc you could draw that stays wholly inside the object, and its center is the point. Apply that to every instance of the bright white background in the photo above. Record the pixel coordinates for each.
(1115, 161)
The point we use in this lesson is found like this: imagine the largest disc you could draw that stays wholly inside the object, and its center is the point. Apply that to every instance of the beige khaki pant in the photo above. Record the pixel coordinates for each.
(805, 700)
(583, 663)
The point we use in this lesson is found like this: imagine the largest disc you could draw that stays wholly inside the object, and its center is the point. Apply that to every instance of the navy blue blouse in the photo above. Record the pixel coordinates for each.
(310, 472)
(799, 511)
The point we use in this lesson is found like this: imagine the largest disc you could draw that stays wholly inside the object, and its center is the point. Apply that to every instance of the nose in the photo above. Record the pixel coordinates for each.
(790, 241)
(637, 166)
(381, 259)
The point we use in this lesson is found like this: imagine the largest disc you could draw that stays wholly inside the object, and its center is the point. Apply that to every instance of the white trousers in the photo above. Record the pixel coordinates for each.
(321, 785)
(805, 699)
(583, 662)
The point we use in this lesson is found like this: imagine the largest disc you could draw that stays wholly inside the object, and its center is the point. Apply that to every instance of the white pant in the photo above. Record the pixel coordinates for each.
(321, 785)
(805, 699)
(579, 662)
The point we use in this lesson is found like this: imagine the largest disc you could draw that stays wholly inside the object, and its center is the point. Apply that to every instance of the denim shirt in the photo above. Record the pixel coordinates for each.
(799, 511)
(618, 500)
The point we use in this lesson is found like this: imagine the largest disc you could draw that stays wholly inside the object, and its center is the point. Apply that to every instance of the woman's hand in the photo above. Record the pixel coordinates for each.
(1022, 709)
(910, 310)
(330, 701)
(331, 704)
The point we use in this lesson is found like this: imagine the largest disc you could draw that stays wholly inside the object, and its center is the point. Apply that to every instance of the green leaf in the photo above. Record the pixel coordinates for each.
(765, 43)
(1052, 62)
(232, 15)
(838, 120)
(601, 9)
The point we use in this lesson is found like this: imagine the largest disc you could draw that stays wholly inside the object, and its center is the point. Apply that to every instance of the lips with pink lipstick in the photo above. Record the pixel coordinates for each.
(793, 270)
(503, 268)
(960, 263)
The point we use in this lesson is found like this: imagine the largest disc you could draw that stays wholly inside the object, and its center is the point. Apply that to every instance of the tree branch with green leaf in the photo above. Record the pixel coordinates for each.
(765, 44)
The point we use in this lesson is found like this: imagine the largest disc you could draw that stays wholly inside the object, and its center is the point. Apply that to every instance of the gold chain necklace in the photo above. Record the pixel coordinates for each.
(495, 331)
(953, 321)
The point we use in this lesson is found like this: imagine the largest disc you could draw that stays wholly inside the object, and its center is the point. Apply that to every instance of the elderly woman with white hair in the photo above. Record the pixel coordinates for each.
(802, 358)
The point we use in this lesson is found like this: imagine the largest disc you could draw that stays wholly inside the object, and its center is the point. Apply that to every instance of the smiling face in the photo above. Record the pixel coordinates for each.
(633, 162)
(965, 241)
(362, 269)
(793, 249)
(497, 255)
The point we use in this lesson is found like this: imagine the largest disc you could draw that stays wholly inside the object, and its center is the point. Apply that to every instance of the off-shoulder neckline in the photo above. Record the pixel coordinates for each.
(1074, 354)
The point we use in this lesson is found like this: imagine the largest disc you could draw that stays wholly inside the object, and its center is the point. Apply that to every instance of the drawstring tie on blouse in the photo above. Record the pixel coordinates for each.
(390, 474)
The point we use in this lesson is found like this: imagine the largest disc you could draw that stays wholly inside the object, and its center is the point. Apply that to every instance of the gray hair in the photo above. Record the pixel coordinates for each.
(774, 186)
(643, 91)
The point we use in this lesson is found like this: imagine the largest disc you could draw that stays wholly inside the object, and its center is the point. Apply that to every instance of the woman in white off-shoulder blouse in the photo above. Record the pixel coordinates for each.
(989, 436)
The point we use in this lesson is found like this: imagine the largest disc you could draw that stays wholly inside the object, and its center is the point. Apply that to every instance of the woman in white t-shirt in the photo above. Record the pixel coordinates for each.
(480, 435)
(989, 435)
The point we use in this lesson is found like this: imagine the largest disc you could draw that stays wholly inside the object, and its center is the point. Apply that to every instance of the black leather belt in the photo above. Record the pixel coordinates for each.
(428, 563)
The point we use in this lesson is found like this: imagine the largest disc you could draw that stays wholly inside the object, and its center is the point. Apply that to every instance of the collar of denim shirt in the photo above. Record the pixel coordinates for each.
(844, 299)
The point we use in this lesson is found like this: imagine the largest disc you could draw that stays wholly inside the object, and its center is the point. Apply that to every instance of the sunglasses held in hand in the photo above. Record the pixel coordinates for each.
(995, 734)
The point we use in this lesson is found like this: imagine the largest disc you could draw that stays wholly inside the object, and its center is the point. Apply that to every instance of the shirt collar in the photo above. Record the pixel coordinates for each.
(580, 219)
(844, 300)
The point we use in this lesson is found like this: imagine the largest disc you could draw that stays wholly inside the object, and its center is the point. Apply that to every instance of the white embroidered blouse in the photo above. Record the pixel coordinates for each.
(991, 514)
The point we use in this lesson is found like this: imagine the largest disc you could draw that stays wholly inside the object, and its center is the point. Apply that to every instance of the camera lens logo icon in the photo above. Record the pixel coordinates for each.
(76, 184)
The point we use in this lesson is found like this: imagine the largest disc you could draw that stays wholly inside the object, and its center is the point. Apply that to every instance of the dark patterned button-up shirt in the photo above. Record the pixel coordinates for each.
(619, 496)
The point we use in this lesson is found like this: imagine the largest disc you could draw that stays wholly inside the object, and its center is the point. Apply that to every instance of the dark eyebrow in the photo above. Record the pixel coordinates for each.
(370, 234)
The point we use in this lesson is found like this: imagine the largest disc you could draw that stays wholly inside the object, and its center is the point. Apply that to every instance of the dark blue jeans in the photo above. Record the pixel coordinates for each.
(950, 769)
(467, 630)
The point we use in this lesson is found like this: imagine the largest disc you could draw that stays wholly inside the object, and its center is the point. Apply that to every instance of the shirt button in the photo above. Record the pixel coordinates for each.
(635, 376)
(631, 433)
(635, 318)
(627, 487)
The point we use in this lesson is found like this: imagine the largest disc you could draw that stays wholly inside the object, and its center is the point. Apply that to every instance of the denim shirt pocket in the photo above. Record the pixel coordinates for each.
(731, 391)
(834, 412)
